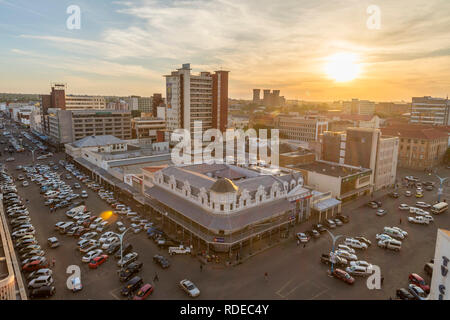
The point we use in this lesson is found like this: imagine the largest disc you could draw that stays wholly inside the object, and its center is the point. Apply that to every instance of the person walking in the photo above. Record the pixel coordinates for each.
(400, 220)
(201, 267)
(266, 276)
(155, 278)
(298, 242)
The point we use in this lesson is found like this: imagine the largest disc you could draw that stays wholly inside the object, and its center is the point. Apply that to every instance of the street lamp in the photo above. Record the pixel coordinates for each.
(441, 187)
(121, 244)
(332, 256)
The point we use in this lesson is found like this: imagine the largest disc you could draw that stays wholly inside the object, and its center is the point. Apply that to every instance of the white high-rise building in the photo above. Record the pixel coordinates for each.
(428, 110)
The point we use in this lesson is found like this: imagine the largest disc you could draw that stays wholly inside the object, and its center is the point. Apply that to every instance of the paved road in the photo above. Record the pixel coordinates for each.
(294, 272)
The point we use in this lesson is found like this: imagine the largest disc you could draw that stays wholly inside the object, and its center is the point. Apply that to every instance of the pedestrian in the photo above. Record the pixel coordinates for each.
(53, 261)
(298, 242)
(400, 220)
(201, 267)
(266, 276)
(382, 280)
(155, 278)
(304, 246)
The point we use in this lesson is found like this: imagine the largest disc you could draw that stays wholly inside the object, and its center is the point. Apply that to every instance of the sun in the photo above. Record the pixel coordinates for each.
(342, 67)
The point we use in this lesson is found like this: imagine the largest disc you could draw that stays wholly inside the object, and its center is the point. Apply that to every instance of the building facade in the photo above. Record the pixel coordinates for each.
(367, 148)
(361, 107)
(224, 206)
(147, 128)
(421, 147)
(300, 128)
(202, 97)
(65, 126)
(75, 102)
(432, 111)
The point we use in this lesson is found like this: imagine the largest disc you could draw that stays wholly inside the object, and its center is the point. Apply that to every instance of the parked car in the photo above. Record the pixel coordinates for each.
(343, 276)
(417, 292)
(97, 261)
(130, 270)
(319, 228)
(404, 294)
(418, 220)
(53, 242)
(414, 278)
(381, 212)
(329, 223)
(364, 240)
(343, 218)
(356, 270)
(190, 288)
(403, 206)
(394, 195)
(372, 204)
(127, 259)
(144, 292)
(131, 286)
(339, 261)
(408, 193)
(43, 292)
(390, 244)
(45, 280)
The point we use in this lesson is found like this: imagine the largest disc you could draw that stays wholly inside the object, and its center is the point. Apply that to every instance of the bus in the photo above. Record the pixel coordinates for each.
(439, 207)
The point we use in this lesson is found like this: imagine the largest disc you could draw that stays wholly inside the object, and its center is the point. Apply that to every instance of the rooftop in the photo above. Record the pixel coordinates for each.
(414, 131)
(331, 168)
(97, 141)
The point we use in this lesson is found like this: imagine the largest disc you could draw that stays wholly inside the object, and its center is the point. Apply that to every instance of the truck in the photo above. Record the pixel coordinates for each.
(179, 250)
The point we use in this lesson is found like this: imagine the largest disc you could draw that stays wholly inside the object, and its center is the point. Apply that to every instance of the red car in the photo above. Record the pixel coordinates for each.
(35, 265)
(414, 278)
(344, 276)
(98, 261)
(144, 292)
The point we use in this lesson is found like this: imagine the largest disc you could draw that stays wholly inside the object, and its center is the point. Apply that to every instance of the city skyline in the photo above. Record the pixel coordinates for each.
(321, 51)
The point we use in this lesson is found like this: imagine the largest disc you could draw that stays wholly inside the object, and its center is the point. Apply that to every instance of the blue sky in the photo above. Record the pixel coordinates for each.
(125, 47)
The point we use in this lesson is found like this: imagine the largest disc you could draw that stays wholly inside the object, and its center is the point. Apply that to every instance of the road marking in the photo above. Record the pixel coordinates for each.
(320, 293)
(284, 286)
(112, 293)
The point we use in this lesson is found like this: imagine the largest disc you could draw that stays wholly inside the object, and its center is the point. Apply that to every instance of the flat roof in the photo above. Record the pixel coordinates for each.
(331, 169)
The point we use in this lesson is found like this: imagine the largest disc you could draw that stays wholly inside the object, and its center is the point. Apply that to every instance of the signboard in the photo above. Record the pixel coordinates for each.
(440, 281)
(219, 239)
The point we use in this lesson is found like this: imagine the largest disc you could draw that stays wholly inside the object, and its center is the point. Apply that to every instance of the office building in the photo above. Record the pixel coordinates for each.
(361, 107)
(270, 99)
(421, 147)
(75, 102)
(300, 128)
(148, 128)
(428, 110)
(157, 102)
(202, 97)
(366, 148)
(66, 126)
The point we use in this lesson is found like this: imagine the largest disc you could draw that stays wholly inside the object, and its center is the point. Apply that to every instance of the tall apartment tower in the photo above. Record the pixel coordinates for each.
(202, 97)
(428, 110)
(256, 95)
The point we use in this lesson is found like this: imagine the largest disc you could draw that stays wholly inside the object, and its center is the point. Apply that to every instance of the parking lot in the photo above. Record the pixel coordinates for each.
(294, 272)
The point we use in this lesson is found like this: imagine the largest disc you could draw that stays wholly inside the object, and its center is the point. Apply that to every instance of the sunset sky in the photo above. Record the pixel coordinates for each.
(125, 47)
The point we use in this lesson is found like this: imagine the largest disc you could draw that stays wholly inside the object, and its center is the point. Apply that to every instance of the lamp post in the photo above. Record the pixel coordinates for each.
(332, 257)
(121, 245)
(441, 187)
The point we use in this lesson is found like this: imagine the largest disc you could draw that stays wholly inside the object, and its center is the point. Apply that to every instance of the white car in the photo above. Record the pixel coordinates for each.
(84, 194)
(418, 220)
(39, 273)
(394, 233)
(422, 204)
(25, 184)
(418, 211)
(361, 263)
(428, 217)
(381, 212)
(390, 244)
(189, 288)
(109, 242)
(405, 234)
(107, 235)
(346, 255)
(346, 248)
(383, 236)
(40, 282)
(408, 193)
(353, 243)
(358, 271)
(91, 255)
(403, 206)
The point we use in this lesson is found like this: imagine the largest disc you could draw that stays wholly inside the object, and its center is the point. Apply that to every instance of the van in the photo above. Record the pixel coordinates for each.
(63, 229)
(394, 233)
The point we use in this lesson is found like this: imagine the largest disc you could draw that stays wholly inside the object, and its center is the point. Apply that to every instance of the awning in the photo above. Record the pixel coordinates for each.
(326, 204)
